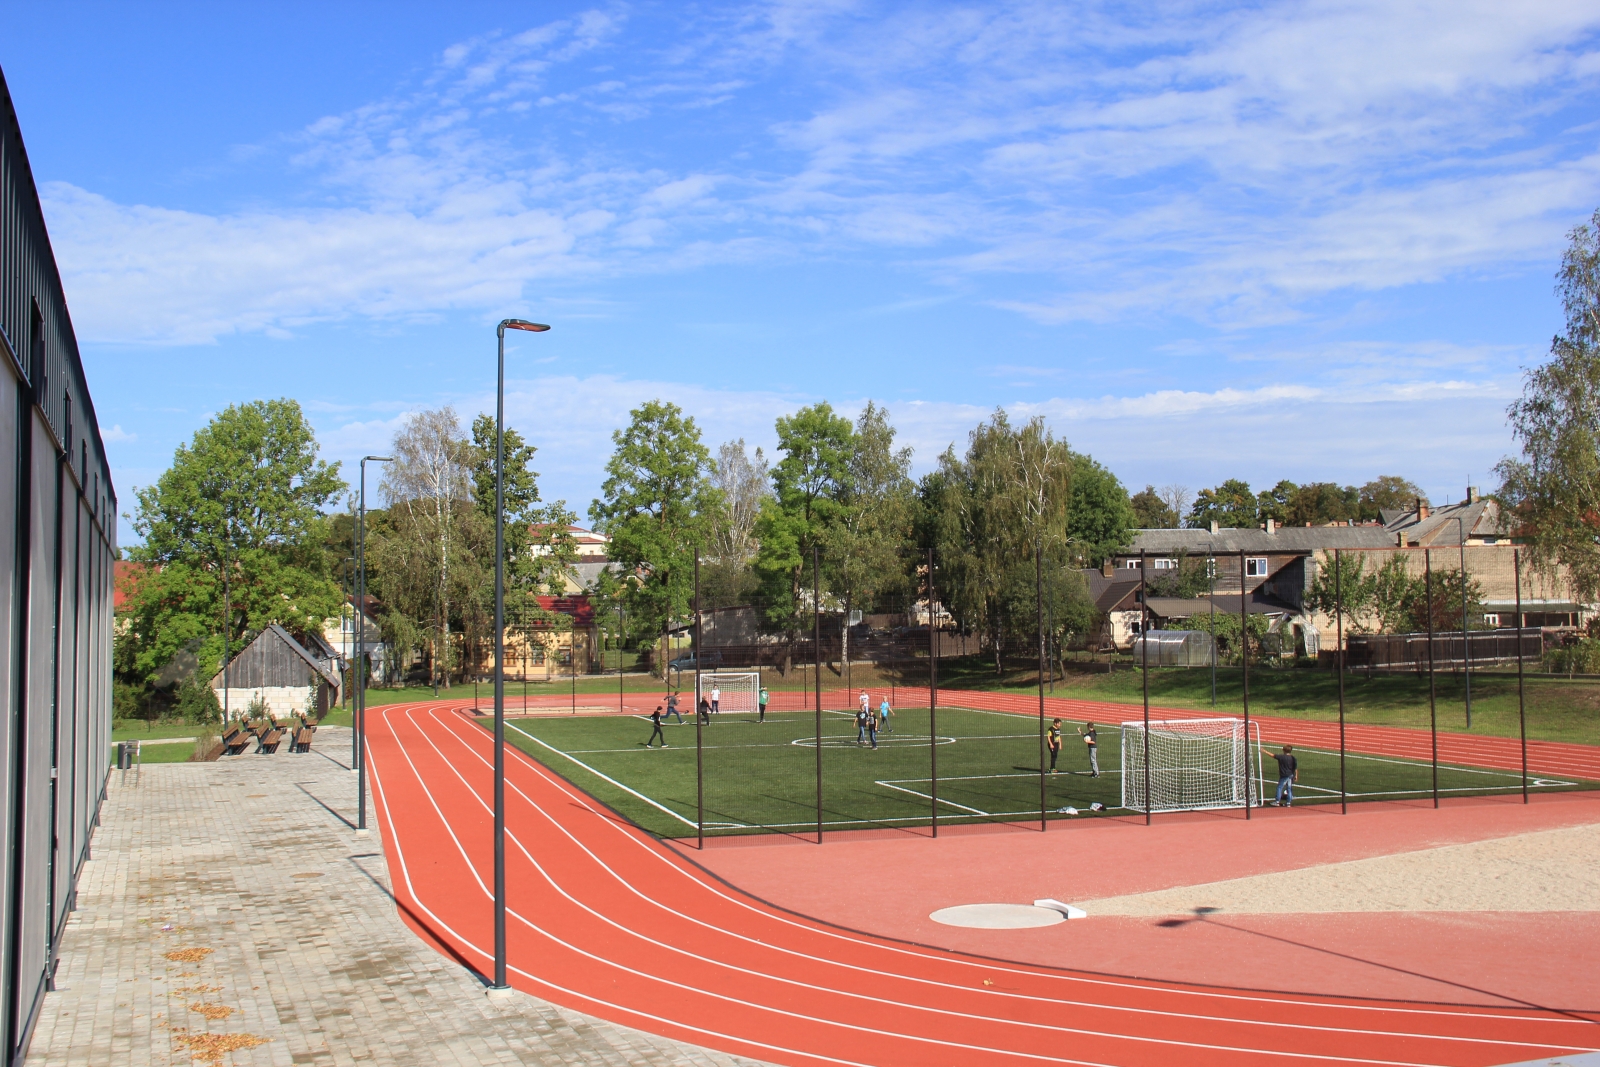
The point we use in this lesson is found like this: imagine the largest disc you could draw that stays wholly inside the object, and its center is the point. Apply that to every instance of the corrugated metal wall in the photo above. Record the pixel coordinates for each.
(55, 601)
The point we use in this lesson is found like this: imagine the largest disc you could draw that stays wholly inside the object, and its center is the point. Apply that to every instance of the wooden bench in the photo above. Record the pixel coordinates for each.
(236, 740)
(302, 739)
(269, 741)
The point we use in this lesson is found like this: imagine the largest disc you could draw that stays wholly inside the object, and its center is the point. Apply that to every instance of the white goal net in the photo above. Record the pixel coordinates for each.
(1194, 764)
(736, 691)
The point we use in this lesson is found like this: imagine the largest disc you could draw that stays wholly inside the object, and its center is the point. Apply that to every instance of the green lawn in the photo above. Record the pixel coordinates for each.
(762, 776)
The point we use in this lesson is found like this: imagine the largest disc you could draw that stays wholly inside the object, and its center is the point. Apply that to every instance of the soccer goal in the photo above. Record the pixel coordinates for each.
(737, 691)
(1195, 764)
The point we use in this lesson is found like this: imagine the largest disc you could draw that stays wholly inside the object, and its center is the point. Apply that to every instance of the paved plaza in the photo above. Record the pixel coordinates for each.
(231, 915)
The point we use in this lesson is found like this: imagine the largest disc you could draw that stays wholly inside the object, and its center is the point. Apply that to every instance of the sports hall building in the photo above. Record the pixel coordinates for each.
(57, 541)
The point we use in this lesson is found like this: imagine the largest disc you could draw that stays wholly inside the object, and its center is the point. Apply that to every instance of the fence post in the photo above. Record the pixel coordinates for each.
(933, 702)
(1433, 716)
(1338, 614)
(816, 652)
(1244, 665)
(1144, 648)
(1522, 714)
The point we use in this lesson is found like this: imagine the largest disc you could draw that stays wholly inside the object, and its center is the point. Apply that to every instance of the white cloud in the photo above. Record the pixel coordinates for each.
(116, 435)
(1435, 431)
(1228, 166)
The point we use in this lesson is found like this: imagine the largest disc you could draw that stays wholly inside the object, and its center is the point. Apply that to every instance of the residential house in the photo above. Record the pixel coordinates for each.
(1281, 564)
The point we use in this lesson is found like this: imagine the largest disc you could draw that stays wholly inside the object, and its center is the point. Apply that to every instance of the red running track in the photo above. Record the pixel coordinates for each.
(604, 919)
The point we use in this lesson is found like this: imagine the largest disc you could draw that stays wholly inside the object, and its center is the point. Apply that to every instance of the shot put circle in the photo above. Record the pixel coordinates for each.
(998, 916)
(849, 741)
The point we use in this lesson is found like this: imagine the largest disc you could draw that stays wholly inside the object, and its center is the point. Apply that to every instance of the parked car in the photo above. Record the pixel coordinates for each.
(686, 662)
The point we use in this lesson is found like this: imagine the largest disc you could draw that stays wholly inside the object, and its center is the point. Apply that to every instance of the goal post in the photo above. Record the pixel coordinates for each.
(1195, 764)
(737, 691)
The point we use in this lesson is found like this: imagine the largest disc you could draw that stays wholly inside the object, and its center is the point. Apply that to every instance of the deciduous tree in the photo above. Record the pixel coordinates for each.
(1553, 488)
(246, 494)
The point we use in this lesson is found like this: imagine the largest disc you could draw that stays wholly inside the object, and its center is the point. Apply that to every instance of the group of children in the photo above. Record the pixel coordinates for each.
(870, 720)
(710, 704)
(1091, 740)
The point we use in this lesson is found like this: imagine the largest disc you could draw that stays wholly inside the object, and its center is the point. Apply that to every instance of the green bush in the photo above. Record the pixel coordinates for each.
(1581, 657)
(197, 703)
(127, 701)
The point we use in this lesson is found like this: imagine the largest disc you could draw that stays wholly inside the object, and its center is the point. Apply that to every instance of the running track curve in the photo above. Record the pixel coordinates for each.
(604, 919)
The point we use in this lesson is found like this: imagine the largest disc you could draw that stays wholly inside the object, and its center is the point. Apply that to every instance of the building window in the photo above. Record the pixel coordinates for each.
(1166, 564)
(1255, 567)
(1491, 619)
(1491, 540)
(347, 625)
(1135, 627)
(1131, 564)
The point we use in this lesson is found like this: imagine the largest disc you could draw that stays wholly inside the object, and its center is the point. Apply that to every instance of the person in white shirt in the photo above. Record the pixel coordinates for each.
(716, 697)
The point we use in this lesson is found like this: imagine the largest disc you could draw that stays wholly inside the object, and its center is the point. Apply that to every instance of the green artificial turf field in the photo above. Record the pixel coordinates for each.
(761, 777)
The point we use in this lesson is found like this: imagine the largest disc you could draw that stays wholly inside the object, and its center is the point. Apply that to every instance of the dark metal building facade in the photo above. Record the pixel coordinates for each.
(57, 542)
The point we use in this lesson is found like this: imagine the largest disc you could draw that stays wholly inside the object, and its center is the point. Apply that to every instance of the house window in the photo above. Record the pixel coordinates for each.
(1131, 564)
(1491, 619)
(1255, 567)
(347, 624)
(1135, 627)
(1491, 540)
(1166, 564)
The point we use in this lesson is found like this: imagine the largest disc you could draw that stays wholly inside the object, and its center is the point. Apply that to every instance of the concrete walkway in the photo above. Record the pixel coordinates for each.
(230, 915)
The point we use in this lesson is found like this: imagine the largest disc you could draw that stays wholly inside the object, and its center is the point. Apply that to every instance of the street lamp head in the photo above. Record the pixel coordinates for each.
(522, 324)
(378, 459)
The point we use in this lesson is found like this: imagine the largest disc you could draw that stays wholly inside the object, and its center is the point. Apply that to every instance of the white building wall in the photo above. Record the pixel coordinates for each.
(282, 701)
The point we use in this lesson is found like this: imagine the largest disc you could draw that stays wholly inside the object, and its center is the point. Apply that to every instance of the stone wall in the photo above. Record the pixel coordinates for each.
(283, 701)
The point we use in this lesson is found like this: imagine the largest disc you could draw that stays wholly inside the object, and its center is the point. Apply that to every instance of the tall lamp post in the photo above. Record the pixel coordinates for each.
(358, 719)
(500, 988)
(348, 587)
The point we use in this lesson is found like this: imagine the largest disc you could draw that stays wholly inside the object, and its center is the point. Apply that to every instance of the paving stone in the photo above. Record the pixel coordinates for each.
(319, 969)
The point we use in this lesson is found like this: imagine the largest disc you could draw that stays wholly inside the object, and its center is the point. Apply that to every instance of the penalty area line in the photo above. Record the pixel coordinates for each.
(604, 777)
(941, 800)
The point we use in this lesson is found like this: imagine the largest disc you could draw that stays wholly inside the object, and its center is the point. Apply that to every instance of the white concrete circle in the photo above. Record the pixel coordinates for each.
(998, 916)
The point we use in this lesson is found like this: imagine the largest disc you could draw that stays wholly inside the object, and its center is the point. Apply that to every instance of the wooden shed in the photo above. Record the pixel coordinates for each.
(279, 671)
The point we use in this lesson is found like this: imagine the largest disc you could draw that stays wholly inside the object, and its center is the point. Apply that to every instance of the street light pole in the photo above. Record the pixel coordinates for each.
(358, 720)
(500, 987)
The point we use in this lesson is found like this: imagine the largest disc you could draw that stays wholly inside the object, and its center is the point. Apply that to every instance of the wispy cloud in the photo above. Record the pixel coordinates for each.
(1090, 162)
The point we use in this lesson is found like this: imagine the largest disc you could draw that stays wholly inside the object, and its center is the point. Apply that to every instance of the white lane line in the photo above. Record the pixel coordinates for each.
(671, 862)
(669, 1024)
(561, 787)
(760, 1008)
(606, 777)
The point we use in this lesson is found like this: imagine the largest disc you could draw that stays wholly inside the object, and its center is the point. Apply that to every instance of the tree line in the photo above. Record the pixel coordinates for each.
(1234, 504)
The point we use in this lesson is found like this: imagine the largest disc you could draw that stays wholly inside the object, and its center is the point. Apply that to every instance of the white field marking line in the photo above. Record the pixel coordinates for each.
(1476, 789)
(728, 966)
(668, 859)
(561, 787)
(1499, 773)
(927, 796)
(670, 1024)
(985, 777)
(763, 1008)
(603, 777)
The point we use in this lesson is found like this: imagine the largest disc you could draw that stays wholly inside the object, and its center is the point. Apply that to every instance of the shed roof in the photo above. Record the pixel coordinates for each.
(274, 632)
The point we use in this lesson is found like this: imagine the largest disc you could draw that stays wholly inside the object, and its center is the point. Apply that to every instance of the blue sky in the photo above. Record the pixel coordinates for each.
(1309, 240)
